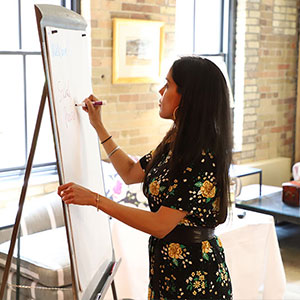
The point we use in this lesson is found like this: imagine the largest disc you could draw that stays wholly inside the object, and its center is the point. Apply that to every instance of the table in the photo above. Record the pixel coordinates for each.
(241, 171)
(272, 204)
(251, 249)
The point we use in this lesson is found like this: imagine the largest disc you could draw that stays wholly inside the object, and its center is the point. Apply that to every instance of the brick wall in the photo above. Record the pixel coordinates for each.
(267, 36)
(266, 61)
(131, 115)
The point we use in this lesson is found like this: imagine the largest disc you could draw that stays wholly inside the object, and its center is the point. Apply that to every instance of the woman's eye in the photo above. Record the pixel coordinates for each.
(165, 86)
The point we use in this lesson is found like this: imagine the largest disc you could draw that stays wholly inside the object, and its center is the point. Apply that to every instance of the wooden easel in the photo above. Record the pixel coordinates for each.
(23, 191)
(110, 279)
(99, 280)
(23, 195)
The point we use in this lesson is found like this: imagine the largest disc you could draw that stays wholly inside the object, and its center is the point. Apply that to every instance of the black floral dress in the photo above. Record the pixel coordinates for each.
(189, 271)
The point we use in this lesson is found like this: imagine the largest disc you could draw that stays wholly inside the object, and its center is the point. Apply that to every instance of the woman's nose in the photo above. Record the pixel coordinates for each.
(161, 91)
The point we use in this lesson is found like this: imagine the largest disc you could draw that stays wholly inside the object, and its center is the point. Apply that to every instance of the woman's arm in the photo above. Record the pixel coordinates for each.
(129, 170)
(158, 224)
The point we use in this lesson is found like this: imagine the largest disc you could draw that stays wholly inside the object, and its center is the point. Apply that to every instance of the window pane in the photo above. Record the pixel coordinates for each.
(9, 25)
(68, 4)
(12, 139)
(184, 27)
(208, 26)
(226, 26)
(35, 80)
(30, 39)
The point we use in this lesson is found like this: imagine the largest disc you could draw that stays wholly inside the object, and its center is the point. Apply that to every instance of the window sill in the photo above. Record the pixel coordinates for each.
(39, 184)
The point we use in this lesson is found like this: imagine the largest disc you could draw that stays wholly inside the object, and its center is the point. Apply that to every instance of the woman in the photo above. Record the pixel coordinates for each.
(185, 180)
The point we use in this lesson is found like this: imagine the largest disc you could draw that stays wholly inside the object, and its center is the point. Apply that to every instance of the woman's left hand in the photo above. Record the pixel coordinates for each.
(72, 193)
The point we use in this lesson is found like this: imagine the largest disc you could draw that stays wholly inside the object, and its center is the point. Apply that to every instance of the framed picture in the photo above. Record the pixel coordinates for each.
(137, 50)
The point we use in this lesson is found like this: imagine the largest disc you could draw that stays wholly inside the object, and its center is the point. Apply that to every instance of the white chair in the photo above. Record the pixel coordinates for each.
(296, 171)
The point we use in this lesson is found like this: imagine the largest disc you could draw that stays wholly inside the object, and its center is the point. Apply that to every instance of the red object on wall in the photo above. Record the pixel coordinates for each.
(291, 193)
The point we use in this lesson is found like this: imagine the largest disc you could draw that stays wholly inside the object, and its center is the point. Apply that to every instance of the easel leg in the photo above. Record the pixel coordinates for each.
(18, 266)
(24, 190)
(114, 291)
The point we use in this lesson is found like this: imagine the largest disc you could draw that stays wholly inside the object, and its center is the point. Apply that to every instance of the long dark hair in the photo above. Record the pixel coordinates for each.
(203, 122)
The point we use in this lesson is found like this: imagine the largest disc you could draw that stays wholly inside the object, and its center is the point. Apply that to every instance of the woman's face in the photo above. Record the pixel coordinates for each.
(170, 98)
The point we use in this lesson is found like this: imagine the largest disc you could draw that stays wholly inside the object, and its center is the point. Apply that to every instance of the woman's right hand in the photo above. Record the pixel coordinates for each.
(93, 111)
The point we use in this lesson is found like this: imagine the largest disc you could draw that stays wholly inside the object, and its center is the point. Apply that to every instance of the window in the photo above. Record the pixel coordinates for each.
(211, 34)
(21, 84)
(207, 28)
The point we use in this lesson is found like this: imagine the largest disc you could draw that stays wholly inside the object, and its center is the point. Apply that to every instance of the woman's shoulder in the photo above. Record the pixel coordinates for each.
(207, 153)
(206, 157)
(144, 160)
(205, 162)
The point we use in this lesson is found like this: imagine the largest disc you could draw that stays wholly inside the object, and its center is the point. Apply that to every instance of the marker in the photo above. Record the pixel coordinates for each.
(112, 268)
(96, 103)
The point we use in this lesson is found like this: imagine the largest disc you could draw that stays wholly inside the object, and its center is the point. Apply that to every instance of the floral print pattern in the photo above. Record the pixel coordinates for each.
(191, 271)
(207, 189)
(196, 283)
(206, 249)
(154, 188)
(175, 251)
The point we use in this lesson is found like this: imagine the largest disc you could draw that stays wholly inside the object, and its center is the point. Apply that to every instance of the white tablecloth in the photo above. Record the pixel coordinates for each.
(253, 257)
(251, 249)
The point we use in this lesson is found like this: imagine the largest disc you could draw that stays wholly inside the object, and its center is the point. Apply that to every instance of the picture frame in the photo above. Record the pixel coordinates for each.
(137, 50)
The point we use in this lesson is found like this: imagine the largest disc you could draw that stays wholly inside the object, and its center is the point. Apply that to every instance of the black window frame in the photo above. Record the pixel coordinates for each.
(229, 53)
